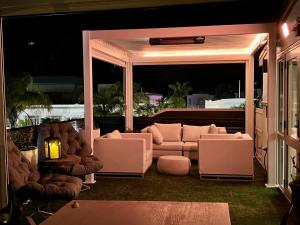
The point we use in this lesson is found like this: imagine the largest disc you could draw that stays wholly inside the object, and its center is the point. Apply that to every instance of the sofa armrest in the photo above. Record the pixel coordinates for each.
(121, 155)
(146, 136)
(225, 137)
(226, 156)
(129, 145)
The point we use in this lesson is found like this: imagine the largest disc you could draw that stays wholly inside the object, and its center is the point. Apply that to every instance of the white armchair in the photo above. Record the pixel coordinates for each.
(129, 153)
(224, 155)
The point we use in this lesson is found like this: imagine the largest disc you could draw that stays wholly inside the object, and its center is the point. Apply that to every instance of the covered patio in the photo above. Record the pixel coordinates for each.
(223, 44)
(237, 42)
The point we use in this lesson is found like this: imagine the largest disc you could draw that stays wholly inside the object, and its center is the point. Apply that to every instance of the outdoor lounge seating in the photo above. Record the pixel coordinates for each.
(124, 153)
(226, 155)
(72, 143)
(23, 176)
(174, 139)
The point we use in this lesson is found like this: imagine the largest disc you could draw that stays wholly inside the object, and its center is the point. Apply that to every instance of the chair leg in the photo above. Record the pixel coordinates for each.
(89, 179)
(44, 212)
(85, 187)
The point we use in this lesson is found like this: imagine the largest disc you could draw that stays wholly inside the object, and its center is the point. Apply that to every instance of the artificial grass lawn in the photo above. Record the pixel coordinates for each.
(250, 202)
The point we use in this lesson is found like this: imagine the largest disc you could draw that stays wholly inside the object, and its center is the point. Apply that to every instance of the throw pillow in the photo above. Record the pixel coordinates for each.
(213, 129)
(192, 133)
(115, 134)
(156, 135)
(170, 132)
(238, 135)
(145, 130)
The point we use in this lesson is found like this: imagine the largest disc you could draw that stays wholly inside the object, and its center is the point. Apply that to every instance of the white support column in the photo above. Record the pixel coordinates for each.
(271, 110)
(3, 146)
(88, 95)
(128, 97)
(249, 104)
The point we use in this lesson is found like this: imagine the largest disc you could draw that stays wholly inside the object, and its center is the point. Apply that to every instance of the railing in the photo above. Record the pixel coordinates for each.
(232, 119)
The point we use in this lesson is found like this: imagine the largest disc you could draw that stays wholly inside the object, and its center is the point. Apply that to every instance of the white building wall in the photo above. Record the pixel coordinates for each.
(225, 103)
(63, 112)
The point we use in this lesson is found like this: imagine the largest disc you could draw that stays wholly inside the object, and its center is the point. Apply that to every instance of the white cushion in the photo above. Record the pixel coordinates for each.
(190, 146)
(145, 130)
(115, 134)
(222, 130)
(213, 129)
(192, 133)
(238, 135)
(156, 135)
(170, 132)
(171, 146)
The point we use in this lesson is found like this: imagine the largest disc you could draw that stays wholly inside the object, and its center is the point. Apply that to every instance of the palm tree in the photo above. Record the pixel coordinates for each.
(180, 91)
(19, 96)
(141, 102)
(109, 100)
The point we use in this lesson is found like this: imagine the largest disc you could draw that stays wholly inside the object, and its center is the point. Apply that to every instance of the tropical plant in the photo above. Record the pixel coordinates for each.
(145, 110)
(163, 103)
(109, 100)
(141, 102)
(179, 93)
(139, 97)
(20, 95)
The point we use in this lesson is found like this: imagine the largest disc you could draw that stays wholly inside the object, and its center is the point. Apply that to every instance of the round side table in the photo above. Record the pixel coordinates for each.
(66, 160)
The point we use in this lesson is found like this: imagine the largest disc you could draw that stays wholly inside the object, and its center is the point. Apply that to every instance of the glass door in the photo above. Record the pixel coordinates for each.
(281, 153)
(288, 92)
(281, 97)
(293, 98)
(281, 163)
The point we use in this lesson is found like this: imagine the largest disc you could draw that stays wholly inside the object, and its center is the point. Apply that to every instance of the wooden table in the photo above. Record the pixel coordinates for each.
(141, 213)
(66, 160)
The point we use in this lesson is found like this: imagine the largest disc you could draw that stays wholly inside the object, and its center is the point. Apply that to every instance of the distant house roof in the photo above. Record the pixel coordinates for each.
(58, 80)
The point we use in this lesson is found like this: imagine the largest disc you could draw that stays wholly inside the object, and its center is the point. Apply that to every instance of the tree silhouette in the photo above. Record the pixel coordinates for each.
(180, 91)
(109, 100)
(19, 96)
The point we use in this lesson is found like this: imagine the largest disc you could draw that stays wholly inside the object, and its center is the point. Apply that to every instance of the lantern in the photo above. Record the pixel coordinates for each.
(52, 147)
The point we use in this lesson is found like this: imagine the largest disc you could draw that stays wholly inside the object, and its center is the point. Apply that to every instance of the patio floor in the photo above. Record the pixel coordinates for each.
(249, 201)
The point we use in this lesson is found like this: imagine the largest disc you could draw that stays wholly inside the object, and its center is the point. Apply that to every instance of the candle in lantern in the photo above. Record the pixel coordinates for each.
(54, 151)
(52, 148)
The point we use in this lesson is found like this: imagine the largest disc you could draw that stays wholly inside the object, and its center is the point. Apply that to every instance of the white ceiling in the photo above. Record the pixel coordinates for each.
(222, 43)
(212, 43)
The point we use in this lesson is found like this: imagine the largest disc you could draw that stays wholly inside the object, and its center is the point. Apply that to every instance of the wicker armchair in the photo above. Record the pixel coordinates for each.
(23, 176)
(72, 143)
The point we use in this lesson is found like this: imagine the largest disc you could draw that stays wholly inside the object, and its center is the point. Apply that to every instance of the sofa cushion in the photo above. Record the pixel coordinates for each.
(156, 135)
(190, 146)
(222, 130)
(238, 135)
(175, 146)
(213, 129)
(192, 133)
(144, 130)
(61, 185)
(170, 132)
(115, 134)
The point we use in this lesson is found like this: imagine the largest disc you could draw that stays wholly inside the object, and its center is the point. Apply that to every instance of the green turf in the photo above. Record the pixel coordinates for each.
(250, 202)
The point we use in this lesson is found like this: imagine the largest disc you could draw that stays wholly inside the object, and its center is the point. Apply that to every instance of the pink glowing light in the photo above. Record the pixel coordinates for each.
(285, 30)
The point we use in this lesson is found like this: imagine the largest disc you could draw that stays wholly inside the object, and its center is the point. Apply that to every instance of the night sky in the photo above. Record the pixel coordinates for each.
(202, 77)
(52, 46)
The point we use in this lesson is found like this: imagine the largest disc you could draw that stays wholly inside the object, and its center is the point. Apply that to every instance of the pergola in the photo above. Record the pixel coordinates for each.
(226, 44)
